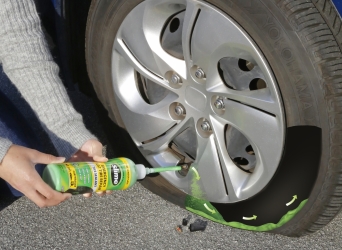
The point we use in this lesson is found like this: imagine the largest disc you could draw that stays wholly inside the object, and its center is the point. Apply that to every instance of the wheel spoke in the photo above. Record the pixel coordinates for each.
(141, 31)
(233, 176)
(121, 48)
(260, 99)
(229, 41)
(191, 13)
(146, 122)
(161, 143)
(207, 52)
(256, 125)
(262, 130)
(209, 169)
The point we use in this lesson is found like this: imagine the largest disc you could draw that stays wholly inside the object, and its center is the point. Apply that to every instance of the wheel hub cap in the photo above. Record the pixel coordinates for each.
(188, 53)
(195, 98)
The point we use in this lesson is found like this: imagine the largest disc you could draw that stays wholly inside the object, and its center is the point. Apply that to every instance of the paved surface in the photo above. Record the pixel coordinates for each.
(132, 219)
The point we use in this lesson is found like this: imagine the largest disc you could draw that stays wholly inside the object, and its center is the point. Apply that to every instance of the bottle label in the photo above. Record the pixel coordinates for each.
(72, 176)
(85, 177)
(121, 175)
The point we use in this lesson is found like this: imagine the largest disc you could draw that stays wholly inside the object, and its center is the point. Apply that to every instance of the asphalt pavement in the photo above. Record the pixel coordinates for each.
(134, 219)
(131, 219)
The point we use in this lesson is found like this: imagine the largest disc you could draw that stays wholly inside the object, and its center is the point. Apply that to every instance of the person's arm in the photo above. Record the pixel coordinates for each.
(17, 167)
(28, 63)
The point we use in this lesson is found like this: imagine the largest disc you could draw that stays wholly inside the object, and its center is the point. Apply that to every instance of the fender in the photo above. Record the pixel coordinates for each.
(338, 5)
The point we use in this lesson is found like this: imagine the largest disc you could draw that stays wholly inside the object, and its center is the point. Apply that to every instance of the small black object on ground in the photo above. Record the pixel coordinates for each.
(198, 225)
(186, 220)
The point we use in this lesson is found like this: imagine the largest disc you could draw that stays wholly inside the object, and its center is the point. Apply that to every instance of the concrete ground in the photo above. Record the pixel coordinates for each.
(135, 219)
(132, 219)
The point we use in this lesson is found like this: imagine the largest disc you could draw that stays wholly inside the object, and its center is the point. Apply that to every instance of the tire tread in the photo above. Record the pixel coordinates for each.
(318, 22)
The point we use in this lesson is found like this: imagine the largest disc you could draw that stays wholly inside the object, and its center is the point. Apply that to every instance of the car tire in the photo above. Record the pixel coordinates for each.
(301, 41)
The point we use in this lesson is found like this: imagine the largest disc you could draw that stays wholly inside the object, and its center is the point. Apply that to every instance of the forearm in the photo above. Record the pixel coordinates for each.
(28, 63)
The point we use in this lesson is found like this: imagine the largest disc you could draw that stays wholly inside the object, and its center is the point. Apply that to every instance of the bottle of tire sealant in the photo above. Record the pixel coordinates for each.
(86, 177)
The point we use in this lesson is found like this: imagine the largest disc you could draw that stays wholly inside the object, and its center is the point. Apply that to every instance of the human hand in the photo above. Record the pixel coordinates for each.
(90, 151)
(18, 169)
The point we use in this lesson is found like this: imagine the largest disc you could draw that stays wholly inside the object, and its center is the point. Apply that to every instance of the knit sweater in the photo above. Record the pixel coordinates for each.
(27, 62)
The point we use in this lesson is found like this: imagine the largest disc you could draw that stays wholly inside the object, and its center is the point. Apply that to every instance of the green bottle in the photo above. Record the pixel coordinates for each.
(86, 177)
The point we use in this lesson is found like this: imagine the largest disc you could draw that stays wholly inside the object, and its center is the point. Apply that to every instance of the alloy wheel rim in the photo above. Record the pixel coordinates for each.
(193, 88)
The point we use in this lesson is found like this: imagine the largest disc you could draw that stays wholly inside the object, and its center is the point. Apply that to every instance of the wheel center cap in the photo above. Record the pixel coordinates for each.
(195, 98)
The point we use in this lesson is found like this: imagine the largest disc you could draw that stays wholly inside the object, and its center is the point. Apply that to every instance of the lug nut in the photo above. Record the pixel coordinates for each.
(200, 74)
(206, 126)
(175, 79)
(179, 110)
(219, 104)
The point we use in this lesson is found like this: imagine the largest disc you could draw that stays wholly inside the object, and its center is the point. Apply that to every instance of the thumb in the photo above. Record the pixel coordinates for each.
(92, 147)
(47, 158)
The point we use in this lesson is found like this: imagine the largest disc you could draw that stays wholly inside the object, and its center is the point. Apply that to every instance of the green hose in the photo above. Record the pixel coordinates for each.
(159, 170)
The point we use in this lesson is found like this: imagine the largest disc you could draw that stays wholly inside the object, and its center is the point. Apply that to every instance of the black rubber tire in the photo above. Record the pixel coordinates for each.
(301, 40)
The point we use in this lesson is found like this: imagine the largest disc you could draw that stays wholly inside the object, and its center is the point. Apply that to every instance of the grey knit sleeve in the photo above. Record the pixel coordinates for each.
(4, 147)
(28, 63)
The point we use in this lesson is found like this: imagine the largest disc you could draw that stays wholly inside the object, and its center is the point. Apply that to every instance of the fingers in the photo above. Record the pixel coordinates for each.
(103, 193)
(54, 198)
(87, 195)
(37, 198)
(50, 197)
(44, 195)
(38, 157)
(95, 148)
(91, 150)
(98, 158)
(58, 160)
(18, 170)
(47, 191)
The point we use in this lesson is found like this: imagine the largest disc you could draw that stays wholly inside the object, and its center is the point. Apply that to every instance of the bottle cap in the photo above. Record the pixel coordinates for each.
(141, 171)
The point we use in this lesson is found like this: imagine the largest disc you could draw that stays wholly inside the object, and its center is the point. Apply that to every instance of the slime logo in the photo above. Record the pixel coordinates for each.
(116, 174)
